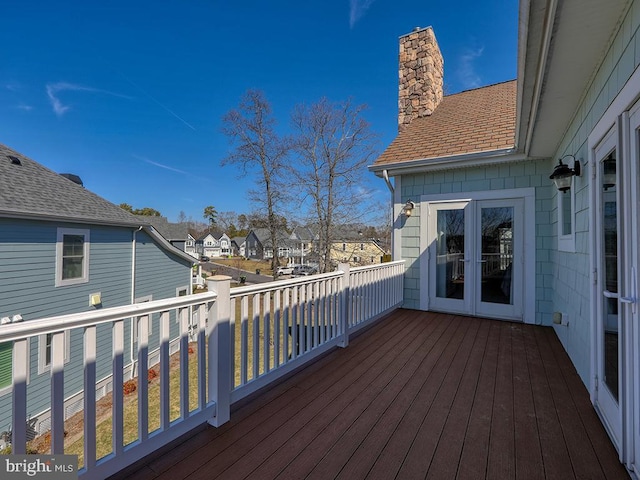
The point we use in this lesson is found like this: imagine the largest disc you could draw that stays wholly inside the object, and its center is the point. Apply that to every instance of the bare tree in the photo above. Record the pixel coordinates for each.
(333, 144)
(260, 151)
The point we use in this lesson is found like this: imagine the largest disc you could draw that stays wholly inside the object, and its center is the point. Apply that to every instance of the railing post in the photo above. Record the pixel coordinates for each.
(220, 364)
(345, 302)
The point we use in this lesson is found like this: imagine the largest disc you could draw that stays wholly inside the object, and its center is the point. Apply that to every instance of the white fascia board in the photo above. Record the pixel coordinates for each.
(454, 161)
(167, 246)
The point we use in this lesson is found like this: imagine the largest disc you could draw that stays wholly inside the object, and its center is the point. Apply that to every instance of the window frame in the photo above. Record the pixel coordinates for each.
(43, 366)
(61, 232)
(134, 334)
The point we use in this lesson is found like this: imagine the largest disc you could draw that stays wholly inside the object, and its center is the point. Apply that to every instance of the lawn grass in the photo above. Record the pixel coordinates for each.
(104, 426)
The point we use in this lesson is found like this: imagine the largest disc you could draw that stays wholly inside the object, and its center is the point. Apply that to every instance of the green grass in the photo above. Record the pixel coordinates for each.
(104, 425)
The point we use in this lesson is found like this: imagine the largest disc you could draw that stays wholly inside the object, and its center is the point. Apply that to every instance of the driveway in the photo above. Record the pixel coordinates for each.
(232, 272)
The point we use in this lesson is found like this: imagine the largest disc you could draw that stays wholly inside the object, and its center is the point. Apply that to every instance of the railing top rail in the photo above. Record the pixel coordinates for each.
(278, 284)
(377, 266)
(16, 331)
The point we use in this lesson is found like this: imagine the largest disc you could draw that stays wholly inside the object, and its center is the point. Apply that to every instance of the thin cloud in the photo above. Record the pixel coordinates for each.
(54, 89)
(12, 86)
(160, 165)
(467, 70)
(357, 9)
(157, 102)
(24, 108)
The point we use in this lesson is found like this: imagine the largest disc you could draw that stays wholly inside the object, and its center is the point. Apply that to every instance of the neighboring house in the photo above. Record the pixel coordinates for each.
(302, 243)
(214, 244)
(238, 245)
(483, 229)
(65, 250)
(177, 234)
(350, 246)
(259, 245)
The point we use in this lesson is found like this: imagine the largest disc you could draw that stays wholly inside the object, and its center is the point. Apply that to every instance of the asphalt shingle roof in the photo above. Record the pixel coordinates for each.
(170, 231)
(474, 121)
(29, 189)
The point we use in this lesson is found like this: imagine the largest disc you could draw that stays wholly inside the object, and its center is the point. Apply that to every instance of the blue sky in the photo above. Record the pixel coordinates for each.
(130, 94)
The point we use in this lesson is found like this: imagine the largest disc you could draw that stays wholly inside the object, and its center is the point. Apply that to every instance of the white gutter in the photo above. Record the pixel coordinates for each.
(541, 70)
(385, 175)
(453, 161)
(133, 297)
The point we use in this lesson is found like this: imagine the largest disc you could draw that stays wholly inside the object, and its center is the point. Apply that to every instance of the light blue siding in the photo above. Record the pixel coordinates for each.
(570, 291)
(496, 177)
(27, 287)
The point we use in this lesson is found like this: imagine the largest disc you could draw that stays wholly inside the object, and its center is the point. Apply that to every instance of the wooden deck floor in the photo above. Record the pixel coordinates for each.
(420, 395)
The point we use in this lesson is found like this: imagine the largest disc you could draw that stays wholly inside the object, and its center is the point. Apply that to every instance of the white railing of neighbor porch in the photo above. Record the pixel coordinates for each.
(242, 340)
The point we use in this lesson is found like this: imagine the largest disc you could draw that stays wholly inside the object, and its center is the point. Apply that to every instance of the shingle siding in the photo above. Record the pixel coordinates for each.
(570, 289)
(531, 174)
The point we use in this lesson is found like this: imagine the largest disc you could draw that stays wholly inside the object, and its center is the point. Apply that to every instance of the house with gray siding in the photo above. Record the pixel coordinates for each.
(484, 229)
(65, 250)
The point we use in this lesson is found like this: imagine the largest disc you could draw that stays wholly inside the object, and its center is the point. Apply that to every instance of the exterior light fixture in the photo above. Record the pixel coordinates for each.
(562, 174)
(408, 208)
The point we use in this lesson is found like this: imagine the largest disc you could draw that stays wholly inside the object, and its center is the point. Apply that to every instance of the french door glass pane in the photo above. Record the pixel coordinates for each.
(496, 256)
(610, 268)
(450, 254)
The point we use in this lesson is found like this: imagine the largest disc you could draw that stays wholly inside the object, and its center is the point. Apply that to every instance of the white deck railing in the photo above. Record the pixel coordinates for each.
(242, 340)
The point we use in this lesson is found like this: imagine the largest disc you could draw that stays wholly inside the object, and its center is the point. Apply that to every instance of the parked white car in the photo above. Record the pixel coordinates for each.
(285, 270)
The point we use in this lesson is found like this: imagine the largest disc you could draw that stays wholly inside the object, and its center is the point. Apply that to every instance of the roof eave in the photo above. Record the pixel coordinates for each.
(466, 160)
(65, 219)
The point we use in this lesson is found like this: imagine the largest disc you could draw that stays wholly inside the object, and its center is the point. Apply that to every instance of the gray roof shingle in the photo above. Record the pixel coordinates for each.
(29, 190)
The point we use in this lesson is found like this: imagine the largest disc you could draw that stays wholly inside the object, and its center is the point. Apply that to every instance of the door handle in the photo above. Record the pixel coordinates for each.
(464, 260)
(609, 294)
(631, 299)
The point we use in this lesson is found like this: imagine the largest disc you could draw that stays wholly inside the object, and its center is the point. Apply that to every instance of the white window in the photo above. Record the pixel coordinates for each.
(182, 291)
(45, 351)
(72, 256)
(145, 299)
(566, 216)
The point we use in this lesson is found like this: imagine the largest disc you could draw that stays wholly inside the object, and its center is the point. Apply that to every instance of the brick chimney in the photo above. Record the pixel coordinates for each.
(421, 69)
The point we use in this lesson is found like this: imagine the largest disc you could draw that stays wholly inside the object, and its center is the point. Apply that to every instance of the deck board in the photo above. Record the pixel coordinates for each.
(419, 395)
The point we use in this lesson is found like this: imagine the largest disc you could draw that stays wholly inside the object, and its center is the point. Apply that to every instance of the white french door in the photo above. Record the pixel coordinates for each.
(616, 197)
(475, 257)
(610, 256)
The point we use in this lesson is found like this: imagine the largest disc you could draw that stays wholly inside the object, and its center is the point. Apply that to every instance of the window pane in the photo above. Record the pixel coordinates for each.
(72, 256)
(71, 268)
(450, 254)
(497, 254)
(565, 204)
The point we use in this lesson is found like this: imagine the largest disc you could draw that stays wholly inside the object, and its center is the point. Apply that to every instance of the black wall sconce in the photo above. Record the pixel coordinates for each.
(562, 174)
(408, 208)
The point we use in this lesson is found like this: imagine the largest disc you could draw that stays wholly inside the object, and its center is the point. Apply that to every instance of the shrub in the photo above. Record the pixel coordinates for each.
(129, 386)
(151, 374)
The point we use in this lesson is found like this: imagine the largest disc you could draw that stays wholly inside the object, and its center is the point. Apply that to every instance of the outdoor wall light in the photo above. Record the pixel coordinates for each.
(408, 208)
(562, 174)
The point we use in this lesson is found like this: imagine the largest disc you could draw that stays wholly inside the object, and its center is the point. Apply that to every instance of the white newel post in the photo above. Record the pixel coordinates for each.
(219, 373)
(345, 306)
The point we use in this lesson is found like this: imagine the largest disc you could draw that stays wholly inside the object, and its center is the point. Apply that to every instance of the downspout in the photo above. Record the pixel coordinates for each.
(385, 175)
(133, 298)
